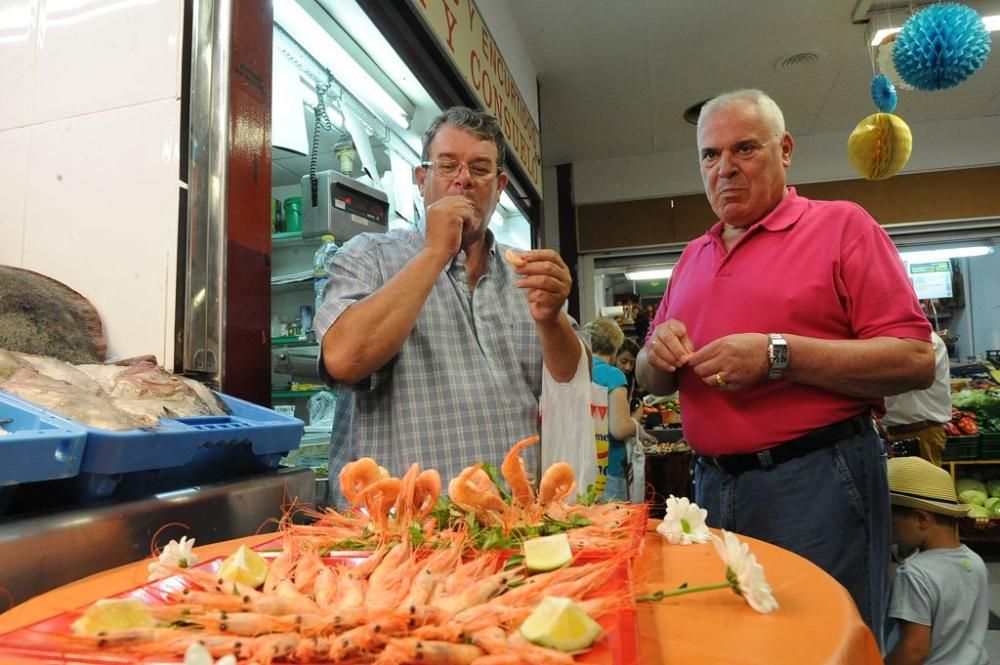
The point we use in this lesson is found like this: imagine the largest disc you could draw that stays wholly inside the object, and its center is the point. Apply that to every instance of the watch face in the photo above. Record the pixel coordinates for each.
(780, 354)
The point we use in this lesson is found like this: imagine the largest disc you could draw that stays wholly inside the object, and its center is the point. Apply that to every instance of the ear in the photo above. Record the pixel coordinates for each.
(787, 147)
(421, 175)
(501, 182)
(924, 518)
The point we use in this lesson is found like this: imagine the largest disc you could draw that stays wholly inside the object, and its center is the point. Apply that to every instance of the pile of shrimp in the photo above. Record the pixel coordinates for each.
(400, 604)
(394, 507)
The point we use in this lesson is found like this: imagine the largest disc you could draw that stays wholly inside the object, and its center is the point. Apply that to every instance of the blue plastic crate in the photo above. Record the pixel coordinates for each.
(40, 446)
(198, 449)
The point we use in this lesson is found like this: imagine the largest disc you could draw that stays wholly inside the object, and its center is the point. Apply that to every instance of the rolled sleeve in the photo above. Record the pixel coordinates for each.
(879, 297)
(355, 275)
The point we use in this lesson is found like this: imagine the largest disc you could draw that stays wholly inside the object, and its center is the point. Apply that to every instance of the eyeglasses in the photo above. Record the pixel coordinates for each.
(449, 168)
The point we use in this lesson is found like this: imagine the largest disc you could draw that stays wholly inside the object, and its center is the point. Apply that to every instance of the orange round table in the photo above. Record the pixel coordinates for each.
(816, 623)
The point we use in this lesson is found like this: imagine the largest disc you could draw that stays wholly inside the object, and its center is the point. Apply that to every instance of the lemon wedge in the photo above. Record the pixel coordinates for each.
(244, 566)
(559, 623)
(113, 614)
(547, 553)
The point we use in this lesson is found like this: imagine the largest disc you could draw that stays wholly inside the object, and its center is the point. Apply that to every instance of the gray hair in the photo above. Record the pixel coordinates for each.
(768, 107)
(477, 123)
(605, 336)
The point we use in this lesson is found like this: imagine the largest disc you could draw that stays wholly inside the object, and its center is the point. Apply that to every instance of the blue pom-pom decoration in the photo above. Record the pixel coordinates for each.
(941, 46)
(884, 94)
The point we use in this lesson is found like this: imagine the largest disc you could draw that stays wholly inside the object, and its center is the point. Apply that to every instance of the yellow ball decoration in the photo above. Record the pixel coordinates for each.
(880, 146)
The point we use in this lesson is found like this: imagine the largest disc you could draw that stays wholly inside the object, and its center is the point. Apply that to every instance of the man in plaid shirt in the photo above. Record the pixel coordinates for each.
(433, 341)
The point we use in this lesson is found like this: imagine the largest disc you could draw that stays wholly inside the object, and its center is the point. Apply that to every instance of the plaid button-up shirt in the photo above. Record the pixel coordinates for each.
(464, 386)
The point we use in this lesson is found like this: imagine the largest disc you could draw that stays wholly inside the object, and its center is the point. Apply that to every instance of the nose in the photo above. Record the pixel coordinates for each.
(464, 176)
(726, 165)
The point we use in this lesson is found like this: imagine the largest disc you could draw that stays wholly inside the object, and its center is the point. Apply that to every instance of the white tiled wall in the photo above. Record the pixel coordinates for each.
(89, 132)
(13, 191)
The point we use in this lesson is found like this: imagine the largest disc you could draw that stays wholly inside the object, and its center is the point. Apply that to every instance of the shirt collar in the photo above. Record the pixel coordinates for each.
(784, 215)
(460, 258)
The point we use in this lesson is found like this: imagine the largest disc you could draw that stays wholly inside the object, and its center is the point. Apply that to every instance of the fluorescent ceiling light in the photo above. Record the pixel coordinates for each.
(653, 273)
(318, 43)
(992, 24)
(929, 255)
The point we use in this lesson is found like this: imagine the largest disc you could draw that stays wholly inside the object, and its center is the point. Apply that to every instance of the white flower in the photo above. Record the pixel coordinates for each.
(684, 522)
(174, 555)
(745, 575)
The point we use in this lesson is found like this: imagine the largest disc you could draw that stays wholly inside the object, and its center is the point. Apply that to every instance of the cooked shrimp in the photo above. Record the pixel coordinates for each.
(428, 652)
(379, 498)
(514, 473)
(281, 566)
(557, 483)
(514, 259)
(357, 475)
(426, 492)
(474, 492)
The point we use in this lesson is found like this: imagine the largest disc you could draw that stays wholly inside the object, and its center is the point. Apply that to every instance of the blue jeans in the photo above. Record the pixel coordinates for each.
(830, 506)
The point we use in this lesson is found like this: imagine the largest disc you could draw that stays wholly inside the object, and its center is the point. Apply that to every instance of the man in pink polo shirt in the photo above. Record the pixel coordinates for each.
(783, 327)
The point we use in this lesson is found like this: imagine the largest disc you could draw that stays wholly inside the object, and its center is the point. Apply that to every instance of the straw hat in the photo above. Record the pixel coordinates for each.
(916, 483)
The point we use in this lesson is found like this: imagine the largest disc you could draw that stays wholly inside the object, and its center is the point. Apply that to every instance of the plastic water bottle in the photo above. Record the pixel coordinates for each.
(321, 269)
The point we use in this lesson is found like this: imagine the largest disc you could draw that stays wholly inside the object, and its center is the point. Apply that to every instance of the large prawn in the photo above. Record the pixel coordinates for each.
(514, 472)
(474, 492)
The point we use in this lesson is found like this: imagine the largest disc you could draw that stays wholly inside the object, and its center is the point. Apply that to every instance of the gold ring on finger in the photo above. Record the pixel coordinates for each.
(720, 382)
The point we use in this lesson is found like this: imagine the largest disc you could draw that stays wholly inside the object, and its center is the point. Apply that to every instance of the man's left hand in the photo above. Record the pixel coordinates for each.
(545, 278)
(732, 362)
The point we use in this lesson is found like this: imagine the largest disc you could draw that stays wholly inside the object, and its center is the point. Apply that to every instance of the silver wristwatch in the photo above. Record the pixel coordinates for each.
(777, 356)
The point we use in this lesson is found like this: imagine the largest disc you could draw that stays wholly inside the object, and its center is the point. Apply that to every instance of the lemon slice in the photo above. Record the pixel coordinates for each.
(113, 614)
(244, 566)
(559, 623)
(547, 552)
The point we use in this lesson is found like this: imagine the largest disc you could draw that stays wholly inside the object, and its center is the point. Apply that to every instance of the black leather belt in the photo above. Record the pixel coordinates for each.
(805, 444)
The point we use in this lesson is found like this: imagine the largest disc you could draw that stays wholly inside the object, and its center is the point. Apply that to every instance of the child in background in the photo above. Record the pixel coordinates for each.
(939, 598)
(605, 340)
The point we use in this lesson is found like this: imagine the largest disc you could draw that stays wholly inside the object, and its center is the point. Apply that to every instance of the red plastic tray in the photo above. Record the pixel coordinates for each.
(49, 641)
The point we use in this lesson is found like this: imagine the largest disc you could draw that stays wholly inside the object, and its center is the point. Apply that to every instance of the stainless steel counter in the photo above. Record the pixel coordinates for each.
(41, 553)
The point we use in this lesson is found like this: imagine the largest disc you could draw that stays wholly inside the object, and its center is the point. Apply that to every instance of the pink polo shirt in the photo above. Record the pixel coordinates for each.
(822, 269)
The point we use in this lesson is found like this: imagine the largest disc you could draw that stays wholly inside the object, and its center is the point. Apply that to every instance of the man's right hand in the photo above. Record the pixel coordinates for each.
(445, 219)
(669, 346)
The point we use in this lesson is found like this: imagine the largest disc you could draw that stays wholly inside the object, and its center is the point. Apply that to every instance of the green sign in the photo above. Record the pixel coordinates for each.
(937, 266)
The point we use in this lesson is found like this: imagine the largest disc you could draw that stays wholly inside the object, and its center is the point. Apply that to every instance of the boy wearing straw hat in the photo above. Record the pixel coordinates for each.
(939, 597)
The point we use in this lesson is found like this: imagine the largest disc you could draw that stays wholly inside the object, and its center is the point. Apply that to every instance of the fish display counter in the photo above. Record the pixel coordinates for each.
(95, 458)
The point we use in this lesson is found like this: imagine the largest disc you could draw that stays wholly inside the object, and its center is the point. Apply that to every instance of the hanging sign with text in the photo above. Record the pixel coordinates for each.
(461, 31)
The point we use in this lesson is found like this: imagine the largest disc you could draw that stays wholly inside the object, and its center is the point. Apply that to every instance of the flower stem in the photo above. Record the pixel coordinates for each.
(661, 594)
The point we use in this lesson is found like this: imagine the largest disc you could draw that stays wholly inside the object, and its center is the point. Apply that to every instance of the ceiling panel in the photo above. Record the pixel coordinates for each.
(616, 75)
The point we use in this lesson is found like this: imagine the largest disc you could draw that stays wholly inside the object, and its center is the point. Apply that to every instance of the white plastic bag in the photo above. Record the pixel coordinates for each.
(636, 465)
(570, 412)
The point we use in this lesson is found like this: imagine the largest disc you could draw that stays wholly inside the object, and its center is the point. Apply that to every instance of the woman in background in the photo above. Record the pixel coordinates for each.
(605, 340)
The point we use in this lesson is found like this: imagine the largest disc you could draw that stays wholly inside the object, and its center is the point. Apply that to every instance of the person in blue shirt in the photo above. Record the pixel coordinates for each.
(605, 340)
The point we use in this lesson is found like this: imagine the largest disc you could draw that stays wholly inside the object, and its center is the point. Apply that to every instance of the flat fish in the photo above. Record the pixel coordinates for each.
(67, 400)
(104, 375)
(61, 370)
(211, 400)
(147, 392)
